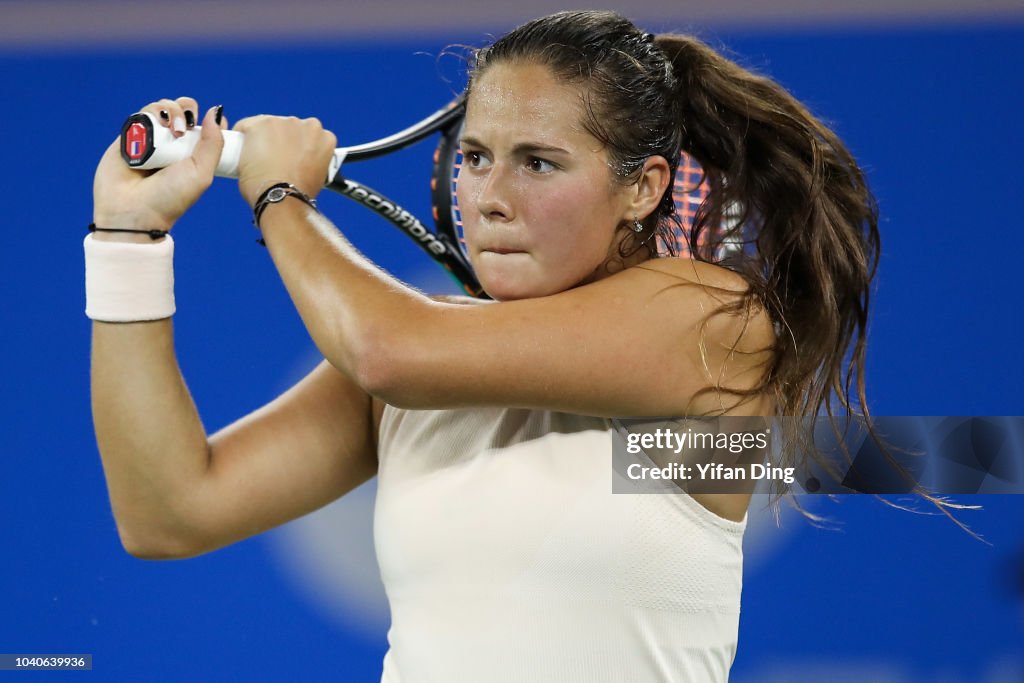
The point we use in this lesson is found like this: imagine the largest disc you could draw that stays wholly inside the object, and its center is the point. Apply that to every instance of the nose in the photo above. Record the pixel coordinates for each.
(493, 194)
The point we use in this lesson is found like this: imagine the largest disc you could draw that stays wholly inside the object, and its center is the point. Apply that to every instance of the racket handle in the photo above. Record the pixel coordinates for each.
(147, 145)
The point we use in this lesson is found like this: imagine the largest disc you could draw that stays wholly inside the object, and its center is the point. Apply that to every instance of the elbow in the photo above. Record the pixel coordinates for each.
(146, 544)
(383, 366)
(159, 521)
(147, 550)
(375, 369)
(393, 357)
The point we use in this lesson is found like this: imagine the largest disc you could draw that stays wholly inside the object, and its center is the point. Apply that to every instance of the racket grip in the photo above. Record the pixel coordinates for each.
(147, 145)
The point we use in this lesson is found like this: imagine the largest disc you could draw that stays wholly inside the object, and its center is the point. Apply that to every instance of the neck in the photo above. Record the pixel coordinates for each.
(636, 250)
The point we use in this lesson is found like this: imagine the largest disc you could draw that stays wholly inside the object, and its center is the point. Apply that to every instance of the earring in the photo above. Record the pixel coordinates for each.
(637, 225)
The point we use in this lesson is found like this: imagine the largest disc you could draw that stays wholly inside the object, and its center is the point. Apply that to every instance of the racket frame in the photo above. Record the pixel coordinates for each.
(443, 245)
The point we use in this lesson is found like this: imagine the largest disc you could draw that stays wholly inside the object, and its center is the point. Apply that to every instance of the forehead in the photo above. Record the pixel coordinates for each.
(524, 99)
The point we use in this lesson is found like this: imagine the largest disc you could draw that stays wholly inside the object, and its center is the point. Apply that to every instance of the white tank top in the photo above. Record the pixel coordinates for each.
(506, 557)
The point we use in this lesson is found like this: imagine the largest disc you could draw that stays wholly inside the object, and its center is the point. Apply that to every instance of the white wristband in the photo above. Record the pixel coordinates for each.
(128, 281)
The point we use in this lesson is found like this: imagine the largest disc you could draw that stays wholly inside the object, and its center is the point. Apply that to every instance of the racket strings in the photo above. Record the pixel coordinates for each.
(456, 214)
(689, 190)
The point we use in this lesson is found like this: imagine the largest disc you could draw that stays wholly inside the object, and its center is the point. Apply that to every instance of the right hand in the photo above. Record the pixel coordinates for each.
(283, 149)
(154, 200)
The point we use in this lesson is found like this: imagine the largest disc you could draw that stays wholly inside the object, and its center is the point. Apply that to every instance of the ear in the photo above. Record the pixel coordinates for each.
(646, 194)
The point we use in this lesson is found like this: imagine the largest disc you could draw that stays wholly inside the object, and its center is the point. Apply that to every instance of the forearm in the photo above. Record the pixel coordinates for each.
(151, 440)
(348, 305)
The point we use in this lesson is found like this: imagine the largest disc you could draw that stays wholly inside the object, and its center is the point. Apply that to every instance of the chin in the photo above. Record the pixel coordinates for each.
(506, 291)
(508, 278)
(505, 281)
(508, 287)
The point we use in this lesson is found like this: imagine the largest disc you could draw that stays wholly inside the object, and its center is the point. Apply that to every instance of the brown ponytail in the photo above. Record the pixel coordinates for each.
(799, 204)
(788, 190)
(806, 216)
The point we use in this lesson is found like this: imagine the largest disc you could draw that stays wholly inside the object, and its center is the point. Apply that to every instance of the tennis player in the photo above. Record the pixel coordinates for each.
(503, 551)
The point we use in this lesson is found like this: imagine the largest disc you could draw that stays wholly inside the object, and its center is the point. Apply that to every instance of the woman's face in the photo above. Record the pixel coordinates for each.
(540, 206)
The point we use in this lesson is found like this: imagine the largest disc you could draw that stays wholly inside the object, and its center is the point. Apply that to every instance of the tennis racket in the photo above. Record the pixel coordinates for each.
(145, 144)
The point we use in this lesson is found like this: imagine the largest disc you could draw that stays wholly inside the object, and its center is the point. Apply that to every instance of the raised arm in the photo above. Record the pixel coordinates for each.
(644, 341)
(639, 343)
(174, 491)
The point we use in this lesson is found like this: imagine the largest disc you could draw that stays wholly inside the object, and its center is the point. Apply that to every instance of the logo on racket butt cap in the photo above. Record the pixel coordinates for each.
(137, 139)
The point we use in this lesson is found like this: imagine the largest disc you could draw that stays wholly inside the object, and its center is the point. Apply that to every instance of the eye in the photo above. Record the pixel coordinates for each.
(475, 159)
(538, 165)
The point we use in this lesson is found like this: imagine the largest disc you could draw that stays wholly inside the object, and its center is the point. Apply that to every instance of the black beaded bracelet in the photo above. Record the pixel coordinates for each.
(153, 234)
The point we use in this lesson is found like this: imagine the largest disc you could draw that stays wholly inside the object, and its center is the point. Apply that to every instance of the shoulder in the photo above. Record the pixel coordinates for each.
(723, 294)
(688, 271)
(732, 339)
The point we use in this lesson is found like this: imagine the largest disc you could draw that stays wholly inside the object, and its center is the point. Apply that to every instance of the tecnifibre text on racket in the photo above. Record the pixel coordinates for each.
(145, 144)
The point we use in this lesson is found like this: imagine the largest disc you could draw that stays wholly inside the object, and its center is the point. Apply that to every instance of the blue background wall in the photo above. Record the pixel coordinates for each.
(932, 114)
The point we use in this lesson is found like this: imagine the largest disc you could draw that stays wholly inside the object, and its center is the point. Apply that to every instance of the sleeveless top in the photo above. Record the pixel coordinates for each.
(506, 557)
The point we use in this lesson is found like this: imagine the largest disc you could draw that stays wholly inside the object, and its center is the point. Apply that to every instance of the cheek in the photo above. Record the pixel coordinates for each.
(463, 188)
(580, 222)
(467, 213)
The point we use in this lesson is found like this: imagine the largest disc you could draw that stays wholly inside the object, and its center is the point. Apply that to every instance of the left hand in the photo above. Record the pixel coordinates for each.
(283, 149)
(127, 198)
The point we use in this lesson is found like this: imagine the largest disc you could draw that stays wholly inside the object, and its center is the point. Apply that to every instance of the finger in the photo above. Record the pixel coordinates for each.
(332, 139)
(207, 152)
(190, 109)
(220, 119)
(245, 124)
(170, 115)
(163, 110)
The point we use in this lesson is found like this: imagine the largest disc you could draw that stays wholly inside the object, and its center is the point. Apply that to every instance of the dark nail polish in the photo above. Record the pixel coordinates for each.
(190, 118)
(164, 115)
(219, 115)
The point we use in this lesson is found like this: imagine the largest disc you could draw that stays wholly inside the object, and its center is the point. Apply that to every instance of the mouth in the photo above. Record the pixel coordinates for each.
(503, 250)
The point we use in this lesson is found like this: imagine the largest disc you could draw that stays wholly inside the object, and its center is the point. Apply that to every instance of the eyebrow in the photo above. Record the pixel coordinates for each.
(520, 148)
